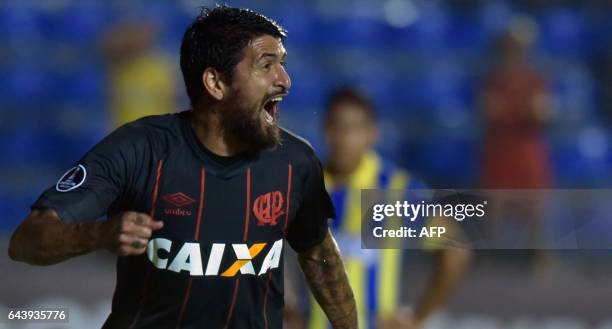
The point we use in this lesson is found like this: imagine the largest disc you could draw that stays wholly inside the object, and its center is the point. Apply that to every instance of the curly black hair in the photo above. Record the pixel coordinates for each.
(217, 38)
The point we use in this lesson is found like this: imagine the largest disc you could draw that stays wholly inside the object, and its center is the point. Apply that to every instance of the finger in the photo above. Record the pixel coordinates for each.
(142, 219)
(139, 244)
(156, 225)
(125, 239)
(131, 240)
(129, 216)
(143, 232)
(139, 251)
(143, 247)
(130, 251)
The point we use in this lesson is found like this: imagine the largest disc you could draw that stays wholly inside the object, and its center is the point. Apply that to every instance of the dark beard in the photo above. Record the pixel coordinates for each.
(244, 124)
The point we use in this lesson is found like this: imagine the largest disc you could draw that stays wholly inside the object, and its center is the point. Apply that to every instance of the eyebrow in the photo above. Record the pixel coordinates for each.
(272, 55)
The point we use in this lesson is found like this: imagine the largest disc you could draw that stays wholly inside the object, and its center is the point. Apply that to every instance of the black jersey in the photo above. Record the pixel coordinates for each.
(217, 262)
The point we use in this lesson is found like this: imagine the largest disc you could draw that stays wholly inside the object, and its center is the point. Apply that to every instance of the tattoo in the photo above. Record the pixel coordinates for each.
(43, 239)
(327, 279)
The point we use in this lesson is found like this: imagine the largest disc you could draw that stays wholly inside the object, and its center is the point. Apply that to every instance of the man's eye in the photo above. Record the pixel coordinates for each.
(268, 66)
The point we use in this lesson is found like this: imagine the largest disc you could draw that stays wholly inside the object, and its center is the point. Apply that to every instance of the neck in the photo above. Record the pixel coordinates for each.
(342, 171)
(207, 125)
(340, 175)
(339, 178)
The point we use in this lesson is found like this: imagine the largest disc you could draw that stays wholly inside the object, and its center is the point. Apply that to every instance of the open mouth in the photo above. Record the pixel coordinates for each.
(271, 109)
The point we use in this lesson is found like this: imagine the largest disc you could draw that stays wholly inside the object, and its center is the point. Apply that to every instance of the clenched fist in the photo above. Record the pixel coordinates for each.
(128, 233)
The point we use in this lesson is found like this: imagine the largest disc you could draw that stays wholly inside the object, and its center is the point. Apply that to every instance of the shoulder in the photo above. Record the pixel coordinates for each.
(298, 149)
(154, 128)
(157, 123)
(393, 176)
(151, 133)
(300, 154)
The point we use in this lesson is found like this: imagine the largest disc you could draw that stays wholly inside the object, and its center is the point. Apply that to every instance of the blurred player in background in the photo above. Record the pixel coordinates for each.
(141, 79)
(375, 275)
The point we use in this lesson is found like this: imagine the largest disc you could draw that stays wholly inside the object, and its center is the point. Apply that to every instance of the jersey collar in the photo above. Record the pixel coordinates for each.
(211, 162)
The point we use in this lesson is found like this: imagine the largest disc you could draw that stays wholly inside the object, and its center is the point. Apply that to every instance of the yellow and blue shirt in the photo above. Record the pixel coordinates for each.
(374, 274)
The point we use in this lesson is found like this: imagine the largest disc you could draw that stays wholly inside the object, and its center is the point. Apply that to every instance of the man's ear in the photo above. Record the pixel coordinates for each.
(214, 84)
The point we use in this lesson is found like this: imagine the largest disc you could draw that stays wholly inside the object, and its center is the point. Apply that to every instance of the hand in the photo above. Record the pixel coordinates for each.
(128, 233)
(402, 319)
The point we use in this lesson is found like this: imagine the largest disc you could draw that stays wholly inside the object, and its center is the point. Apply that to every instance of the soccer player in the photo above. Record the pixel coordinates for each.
(200, 203)
(375, 275)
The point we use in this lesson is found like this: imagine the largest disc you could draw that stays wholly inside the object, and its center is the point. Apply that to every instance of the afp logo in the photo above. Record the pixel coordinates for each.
(268, 208)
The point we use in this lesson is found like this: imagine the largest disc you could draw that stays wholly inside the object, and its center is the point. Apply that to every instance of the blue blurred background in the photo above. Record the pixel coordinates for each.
(422, 62)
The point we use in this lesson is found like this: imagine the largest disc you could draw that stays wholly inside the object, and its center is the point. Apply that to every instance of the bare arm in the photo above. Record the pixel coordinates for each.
(327, 279)
(450, 265)
(44, 239)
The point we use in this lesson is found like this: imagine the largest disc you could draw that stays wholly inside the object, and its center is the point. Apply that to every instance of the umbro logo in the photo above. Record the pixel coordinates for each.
(178, 200)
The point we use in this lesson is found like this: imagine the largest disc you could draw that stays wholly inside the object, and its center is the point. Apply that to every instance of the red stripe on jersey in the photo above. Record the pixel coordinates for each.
(231, 310)
(265, 307)
(196, 236)
(248, 205)
(158, 173)
(289, 174)
(185, 300)
(160, 164)
(244, 237)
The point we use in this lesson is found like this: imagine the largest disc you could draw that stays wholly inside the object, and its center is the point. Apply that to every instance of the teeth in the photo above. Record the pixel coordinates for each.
(277, 99)
(268, 117)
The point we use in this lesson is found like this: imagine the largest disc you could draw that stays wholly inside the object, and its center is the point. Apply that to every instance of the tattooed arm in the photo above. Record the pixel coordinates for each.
(44, 239)
(327, 279)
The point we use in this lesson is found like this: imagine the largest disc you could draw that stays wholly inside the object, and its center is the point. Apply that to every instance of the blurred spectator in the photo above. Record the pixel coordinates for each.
(141, 79)
(516, 105)
(375, 275)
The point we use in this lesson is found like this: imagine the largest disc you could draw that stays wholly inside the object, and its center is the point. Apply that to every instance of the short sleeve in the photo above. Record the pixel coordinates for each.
(310, 226)
(88, 189)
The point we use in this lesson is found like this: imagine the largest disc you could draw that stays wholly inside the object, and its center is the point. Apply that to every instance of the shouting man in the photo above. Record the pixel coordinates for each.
(200, 203)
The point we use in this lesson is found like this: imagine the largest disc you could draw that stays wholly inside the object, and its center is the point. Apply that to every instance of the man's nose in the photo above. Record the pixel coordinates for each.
(282, 80)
